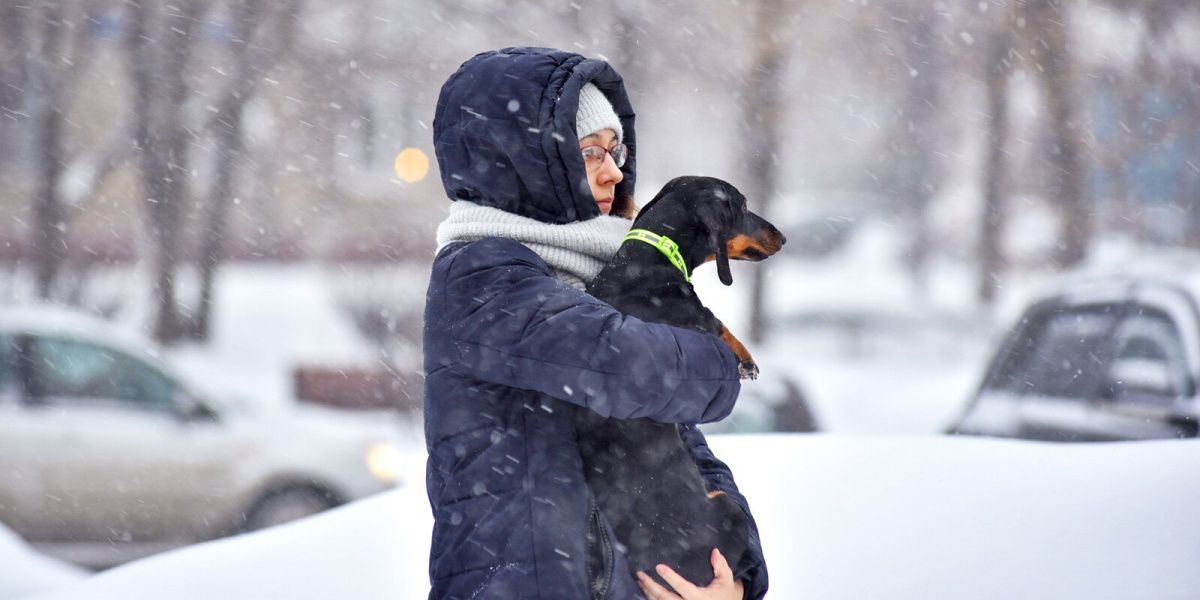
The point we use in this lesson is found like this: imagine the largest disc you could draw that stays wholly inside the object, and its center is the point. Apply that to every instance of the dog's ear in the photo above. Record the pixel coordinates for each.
(716, 216)
(723, 261)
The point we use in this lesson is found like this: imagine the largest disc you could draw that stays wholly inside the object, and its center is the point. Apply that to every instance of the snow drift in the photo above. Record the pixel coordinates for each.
(25, 572)
(841, 517)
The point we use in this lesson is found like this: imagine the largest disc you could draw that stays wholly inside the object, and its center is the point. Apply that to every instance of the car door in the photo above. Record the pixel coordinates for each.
(22, 491)
(1151, 378)
(1058, 376)
(119, 463)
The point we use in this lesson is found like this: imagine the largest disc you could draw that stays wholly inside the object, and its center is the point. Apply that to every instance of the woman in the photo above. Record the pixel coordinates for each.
(531, 144)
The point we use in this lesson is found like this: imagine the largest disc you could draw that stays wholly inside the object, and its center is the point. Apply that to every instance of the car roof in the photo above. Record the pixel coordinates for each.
(74, 323)
(1099, 282)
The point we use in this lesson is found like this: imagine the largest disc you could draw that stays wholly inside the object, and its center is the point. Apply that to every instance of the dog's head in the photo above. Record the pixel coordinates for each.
(717, 210)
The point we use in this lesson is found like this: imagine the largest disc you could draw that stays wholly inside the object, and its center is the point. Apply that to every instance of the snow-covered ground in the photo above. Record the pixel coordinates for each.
(841, 517)
(26, 573)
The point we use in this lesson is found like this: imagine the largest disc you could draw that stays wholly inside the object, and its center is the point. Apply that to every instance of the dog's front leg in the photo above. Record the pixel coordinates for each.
(747, 368)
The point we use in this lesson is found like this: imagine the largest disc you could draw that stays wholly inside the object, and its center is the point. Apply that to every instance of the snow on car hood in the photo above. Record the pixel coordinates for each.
(840, 517)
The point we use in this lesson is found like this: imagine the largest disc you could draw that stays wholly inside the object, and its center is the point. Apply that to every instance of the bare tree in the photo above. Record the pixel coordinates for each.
(262, 35)
(161, 42)
(904, 62)
(991, 254)
(626, 29)
(59, 37)
(762, 121)
(1050, 48)
(14, 48)
(917, 133)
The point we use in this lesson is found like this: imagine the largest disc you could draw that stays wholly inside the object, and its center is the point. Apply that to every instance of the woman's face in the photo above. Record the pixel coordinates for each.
(603, 177)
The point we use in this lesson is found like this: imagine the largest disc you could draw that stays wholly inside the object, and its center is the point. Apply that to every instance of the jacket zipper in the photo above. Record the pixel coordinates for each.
(607, 549)
(606, 554)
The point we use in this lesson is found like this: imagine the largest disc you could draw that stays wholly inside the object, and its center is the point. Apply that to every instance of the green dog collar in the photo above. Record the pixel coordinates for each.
(665, 245)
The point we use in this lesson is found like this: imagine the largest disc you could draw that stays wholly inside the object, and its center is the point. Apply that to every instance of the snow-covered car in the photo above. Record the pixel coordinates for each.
(1097, 358)
(107, 453)
(771, 404)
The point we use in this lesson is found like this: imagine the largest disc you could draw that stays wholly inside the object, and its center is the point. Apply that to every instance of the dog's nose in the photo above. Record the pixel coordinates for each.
(777, 234)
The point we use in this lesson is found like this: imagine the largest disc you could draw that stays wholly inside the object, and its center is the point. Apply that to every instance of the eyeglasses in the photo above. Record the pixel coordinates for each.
(593, 156)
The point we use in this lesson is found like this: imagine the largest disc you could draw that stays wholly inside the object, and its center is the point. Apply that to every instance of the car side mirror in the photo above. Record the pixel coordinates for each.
(1112, 389)
(192, 409)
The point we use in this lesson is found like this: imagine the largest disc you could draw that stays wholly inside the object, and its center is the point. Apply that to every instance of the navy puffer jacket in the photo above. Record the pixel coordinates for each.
(511, 352)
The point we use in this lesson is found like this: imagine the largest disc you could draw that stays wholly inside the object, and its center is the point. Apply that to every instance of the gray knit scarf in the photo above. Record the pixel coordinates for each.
(575, 252)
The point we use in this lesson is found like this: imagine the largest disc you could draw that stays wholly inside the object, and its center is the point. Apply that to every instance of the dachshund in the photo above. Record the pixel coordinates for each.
(640, 472)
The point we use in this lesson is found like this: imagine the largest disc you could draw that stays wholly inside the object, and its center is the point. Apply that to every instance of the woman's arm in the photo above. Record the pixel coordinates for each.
(752, 569)
(511, 323)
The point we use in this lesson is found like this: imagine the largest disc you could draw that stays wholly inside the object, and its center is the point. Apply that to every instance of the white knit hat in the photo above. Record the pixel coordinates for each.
(595, 113)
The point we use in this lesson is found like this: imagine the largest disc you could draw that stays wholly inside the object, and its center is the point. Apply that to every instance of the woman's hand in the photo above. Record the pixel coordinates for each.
(722, 587)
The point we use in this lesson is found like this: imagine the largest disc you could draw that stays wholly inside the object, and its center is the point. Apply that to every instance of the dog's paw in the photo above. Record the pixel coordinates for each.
(747, 370)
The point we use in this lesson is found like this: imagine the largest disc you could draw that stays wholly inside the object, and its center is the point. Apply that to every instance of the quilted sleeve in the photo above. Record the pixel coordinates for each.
(511, 323)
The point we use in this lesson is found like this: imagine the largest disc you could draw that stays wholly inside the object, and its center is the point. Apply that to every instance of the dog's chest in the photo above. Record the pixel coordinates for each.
(670, 304)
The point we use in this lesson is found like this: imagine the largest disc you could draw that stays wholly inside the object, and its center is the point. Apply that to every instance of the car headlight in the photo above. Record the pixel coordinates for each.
(383, 461)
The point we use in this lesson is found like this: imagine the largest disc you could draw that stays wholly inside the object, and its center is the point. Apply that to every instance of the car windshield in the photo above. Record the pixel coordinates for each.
(1063, 353)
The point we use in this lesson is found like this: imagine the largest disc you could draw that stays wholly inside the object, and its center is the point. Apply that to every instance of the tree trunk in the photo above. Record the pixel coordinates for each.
(254, 55)
(54, 33)
(630, 59)
(228, 143)
(160, 52)
(918, 177)
(762, 120)
(49, 216)
(991, 255)
(1048, 19)
(44, 107)
(144, 69)
(212, 249)
(14, 44)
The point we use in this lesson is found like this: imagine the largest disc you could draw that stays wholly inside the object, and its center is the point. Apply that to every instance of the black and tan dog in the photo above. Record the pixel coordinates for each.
(640, 473)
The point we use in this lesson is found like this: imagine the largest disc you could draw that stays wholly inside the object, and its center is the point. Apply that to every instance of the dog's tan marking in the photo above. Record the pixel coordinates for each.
(741, 245)
(747, 368)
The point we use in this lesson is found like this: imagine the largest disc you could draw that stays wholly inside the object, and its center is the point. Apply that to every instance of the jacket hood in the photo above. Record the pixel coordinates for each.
(504, 133)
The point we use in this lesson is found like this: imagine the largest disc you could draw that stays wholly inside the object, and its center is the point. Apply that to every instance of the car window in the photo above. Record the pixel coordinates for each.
(1149, 359)
(8, 365)
(1063, 353)
(68, 369)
